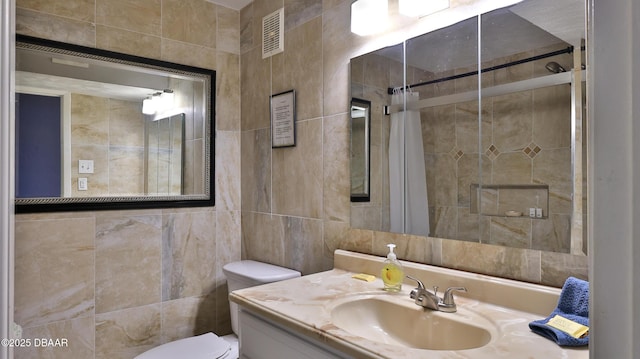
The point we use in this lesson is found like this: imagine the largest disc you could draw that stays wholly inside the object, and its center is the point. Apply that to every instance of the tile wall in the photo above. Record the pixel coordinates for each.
(109, 132)
(116, 283)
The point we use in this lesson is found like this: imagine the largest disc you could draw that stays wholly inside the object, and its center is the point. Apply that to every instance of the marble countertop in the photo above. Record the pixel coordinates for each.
(303, 305)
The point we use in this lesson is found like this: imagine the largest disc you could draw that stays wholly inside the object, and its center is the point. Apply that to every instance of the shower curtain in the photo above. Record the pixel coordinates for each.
(409, 209)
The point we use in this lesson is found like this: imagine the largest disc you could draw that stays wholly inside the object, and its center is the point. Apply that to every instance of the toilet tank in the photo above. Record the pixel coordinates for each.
(248, 273)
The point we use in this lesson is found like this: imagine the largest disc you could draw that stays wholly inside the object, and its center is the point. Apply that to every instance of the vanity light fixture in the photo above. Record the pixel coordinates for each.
(418, 8)
(369, 17)
(158, 102)
(147, 106)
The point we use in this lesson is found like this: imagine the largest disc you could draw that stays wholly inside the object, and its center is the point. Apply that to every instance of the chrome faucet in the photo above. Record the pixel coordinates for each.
(427, 299)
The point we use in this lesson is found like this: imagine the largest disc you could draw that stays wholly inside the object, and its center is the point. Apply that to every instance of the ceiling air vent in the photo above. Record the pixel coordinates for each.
(273, 33)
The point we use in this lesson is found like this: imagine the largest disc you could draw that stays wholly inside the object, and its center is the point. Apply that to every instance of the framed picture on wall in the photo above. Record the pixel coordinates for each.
(283, 119)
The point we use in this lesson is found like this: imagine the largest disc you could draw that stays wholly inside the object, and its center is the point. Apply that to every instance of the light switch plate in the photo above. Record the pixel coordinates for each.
(85, 166)
(82, 184)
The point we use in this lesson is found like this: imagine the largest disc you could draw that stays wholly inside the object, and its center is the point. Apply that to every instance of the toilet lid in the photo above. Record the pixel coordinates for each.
(205, 346)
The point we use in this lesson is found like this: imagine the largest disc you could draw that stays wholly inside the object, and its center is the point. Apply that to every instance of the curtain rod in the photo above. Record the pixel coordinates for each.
(568, 50)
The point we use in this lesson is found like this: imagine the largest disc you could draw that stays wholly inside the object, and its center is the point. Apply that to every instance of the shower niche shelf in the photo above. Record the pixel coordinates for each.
(507, 200)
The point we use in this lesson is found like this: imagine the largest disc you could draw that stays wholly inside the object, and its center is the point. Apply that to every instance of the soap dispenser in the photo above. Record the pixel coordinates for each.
(392, 273)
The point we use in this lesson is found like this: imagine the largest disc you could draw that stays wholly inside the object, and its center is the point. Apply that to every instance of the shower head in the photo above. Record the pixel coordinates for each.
(555, 67)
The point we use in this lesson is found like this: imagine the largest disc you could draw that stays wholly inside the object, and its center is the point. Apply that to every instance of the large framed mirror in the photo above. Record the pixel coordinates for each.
(99, 130)
(493, 139)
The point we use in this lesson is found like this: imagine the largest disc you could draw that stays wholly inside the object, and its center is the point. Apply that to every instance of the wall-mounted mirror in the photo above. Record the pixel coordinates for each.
(102, 130)
(360, 149)
(498, 104)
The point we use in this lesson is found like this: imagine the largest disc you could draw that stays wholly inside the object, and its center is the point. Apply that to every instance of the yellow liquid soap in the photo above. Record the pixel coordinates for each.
(392, 273)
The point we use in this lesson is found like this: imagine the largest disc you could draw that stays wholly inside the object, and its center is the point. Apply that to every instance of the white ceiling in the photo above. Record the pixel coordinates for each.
(232, 4)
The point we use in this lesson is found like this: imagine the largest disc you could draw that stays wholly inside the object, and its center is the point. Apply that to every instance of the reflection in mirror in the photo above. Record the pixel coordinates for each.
(497, 146)
(164, 152)
(371, 75)
(102, 130)
(360, 148)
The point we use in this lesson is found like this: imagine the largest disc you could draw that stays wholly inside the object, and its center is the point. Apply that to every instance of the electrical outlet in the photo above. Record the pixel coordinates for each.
(82, 184)
(85, 166)
(532, 212)
(538, 212)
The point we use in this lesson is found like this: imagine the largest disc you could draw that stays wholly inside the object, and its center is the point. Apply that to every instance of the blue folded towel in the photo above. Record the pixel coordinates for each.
(574, 305)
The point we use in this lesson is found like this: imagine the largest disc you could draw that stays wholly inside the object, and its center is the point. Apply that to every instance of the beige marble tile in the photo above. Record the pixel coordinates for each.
(128, 42)
(552, 234)
(512, 121)
(142, 16)
(510, 232)
(256, 170)
(90, 120)
(557, 267)
(336, 168)
(299, 12)
(126, 123)
(256, 77)
(297, 173)
(199, 29)
(338, 45)
(512, 168)
(78, 333)
(258, 242)
(126, 170)
(246, 28)
(444, 124)
(34, 23)
(467, 174)
(334, 233)
(299, 67)
(228, 33)
(127, 333)
(83, 10)
(445, 224)
(468, 225)
(54, 270)
(445, 184)
(303, 242)
(228, 92)
(514, 263)
(128, 261)
(188, 254)
(553, 167)
(358, 240)
(367, 216)
(188, 54)
(228, 170)
(186, 317)
(552, 117)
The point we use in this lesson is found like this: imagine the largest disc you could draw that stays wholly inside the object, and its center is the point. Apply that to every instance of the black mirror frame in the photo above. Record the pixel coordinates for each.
(125, 203)
(363, 197)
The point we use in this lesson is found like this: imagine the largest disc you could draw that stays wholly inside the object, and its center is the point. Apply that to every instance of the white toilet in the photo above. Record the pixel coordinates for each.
(242, 274)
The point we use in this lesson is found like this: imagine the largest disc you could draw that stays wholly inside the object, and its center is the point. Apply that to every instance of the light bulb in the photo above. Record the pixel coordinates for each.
(369, 16)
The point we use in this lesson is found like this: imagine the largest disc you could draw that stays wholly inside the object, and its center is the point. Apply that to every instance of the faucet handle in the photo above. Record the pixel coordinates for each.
(448, 295)
(448, 304)
(420, 285)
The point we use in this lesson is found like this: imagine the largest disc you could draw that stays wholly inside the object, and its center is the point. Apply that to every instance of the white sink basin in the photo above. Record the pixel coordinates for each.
(398, 321)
